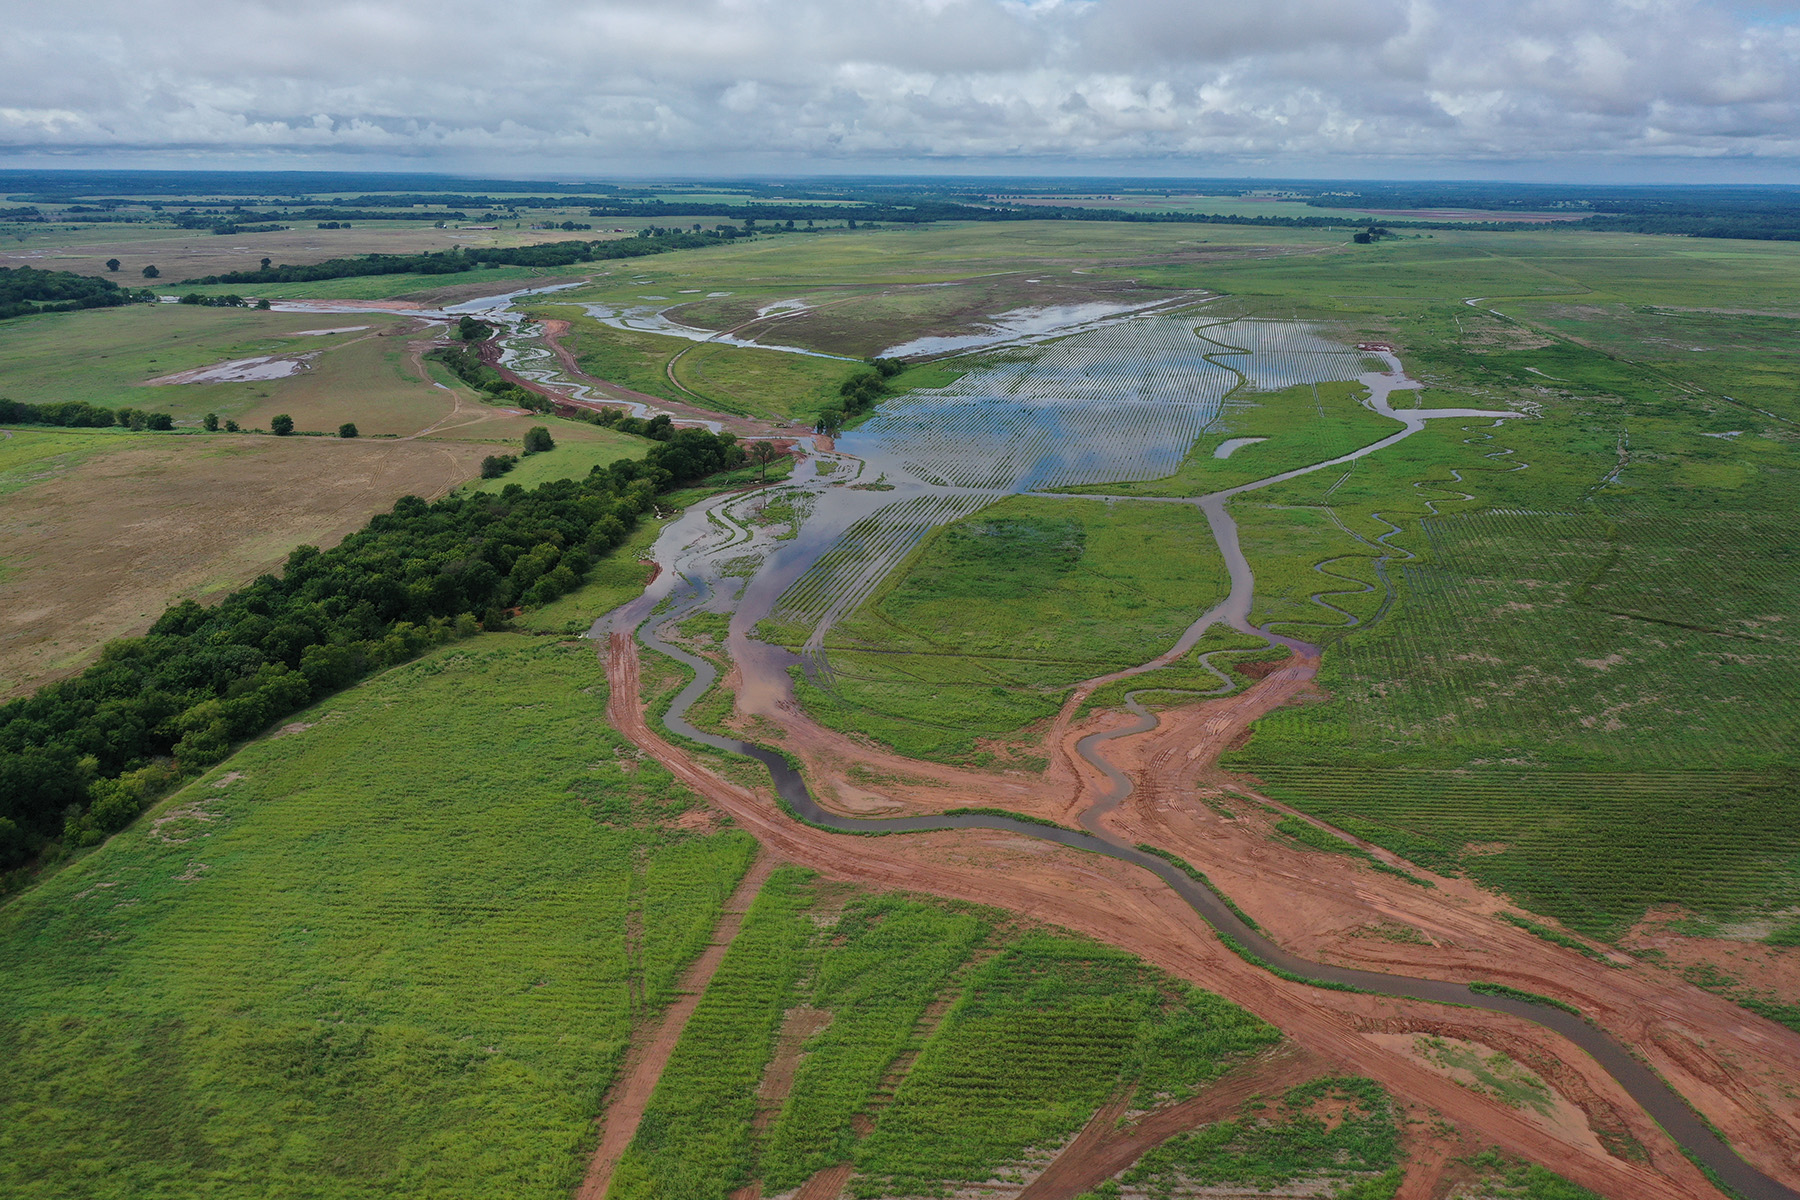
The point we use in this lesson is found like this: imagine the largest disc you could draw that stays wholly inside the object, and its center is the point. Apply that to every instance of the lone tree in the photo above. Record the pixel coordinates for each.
(281, 425)
(347, 429)
(762, 454)
(210, 423)
(112, 264)
(538, 440)
(151, 272)
(265, 264)
(830, 421)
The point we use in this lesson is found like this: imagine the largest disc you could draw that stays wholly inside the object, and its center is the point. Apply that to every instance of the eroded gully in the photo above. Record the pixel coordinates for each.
(1644, 1086)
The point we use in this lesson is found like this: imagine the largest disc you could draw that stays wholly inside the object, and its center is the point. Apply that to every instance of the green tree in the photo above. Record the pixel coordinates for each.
(281, 425)
(210, 423)
(112, 264)
(265, 264)
(830, 421)
(347, 429)
(231, 426)
(470, 330)
(161, 422)
(538, 440)
(151, 272)
(263, 305)
(762, 454)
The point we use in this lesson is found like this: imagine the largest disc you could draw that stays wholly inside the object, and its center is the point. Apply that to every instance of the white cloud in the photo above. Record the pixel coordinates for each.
(807, 85)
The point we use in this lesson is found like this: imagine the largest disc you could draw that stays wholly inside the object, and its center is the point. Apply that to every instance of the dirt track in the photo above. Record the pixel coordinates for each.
(626, 1100)
(1737, 1076)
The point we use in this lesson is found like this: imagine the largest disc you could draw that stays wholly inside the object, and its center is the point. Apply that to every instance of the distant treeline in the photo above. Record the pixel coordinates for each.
(27, 290)
(81, 757)
(75, 414)
(452, 262)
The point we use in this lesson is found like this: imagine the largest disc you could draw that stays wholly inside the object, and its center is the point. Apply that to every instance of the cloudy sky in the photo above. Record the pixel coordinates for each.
(1544, 89)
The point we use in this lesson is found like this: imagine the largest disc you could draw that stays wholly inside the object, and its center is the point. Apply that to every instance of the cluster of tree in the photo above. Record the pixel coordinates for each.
(210, 423)
(332, 225)
(229, 301)
(566, 226)
(862, 390)
(496, 465)
(1373, 233)
(451, 262)
(466, 364)
(79, 758)
(28, 212)
(73, 414)
(27, 290)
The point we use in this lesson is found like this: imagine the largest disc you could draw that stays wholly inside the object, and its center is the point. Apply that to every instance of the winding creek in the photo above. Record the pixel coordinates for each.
(694, 545)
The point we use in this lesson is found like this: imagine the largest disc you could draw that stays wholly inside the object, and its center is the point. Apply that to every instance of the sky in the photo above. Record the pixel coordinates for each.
(1561, 90)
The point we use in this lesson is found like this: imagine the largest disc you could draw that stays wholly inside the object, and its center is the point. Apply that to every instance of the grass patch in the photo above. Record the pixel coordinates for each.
(1556, 937)
(1336, 1130)
(695, 1137)
(1305, 833)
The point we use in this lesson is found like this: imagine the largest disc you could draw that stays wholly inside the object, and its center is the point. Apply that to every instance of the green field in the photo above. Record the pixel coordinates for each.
(104, 357)
(993, 618)
(374, 957)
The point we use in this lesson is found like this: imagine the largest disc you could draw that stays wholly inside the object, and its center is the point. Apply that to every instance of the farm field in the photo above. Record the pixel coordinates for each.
(368, 957)
(105, 529)
(808, 1051)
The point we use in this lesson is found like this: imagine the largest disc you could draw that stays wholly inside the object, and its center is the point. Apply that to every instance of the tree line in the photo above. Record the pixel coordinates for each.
(451, 262)
(27, 290)
(80, 758)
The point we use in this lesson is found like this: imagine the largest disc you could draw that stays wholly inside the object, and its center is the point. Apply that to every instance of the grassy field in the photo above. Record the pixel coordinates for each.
(104, 356)
(993, 618)
(371, 957)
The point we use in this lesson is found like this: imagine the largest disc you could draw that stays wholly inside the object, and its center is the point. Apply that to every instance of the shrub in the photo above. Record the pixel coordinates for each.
(281, 425)
(538, 440)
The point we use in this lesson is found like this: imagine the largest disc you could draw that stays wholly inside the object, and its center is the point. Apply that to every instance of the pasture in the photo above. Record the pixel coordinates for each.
(368, 957)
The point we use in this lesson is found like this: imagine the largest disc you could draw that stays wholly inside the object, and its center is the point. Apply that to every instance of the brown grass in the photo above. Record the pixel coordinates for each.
(100, 551)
